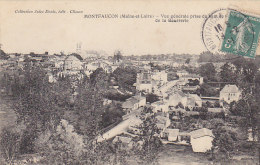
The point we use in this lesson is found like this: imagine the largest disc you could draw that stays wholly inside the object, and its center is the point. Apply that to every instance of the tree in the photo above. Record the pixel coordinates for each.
(148, 153)
(207, 90)
(187, 61)
(207, 56)
(126, 77)
(246, 69)
(36, 106)
(224, 143)
(152, 98)
(240, 71)
(118, 56)
(3, 55)
(113, 114)
(248, 108)
(227, 73)
(9, 144)
(100, 79)
(208, 71)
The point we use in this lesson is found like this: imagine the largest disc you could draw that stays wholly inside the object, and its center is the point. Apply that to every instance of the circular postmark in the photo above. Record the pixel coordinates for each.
(213, 30)
(220, 32)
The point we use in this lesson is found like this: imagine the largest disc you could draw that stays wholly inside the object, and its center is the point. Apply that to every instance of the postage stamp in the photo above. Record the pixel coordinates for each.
(241, 34)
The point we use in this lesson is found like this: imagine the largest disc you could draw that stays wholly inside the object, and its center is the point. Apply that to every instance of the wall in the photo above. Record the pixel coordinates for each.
(201, 144)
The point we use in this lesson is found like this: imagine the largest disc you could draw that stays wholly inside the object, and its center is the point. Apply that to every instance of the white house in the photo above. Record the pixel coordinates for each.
(160, 76)
(126, 142)
(230, 93)
(134, 103)
(172, 134)
(58, 61)
(162, 122)
(181, 73)
(144, 82)
(160, 106)
(119, 128)
(197, 99)
(187, 100)
(73, 62)
(176, 98)
(201, 140)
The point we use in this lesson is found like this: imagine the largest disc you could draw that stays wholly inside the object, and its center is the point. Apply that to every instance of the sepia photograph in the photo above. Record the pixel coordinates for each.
(129, 82)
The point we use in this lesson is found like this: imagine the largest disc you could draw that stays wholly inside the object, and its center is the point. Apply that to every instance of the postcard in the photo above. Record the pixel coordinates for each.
(129, 82)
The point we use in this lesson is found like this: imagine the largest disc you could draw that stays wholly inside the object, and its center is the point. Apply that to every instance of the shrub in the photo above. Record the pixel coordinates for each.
(10, 144)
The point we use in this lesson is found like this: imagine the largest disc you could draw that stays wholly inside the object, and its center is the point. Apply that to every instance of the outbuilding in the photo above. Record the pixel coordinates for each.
(201, 140)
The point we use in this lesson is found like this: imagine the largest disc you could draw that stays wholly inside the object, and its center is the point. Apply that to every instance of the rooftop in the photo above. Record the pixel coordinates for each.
(201, 133)
(230, 89)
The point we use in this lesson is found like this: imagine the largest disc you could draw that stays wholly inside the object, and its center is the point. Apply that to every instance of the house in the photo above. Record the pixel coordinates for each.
(197, 99)
(187, 100)
(134, 103)
(172, 134)
(120, 128)
(182, 73)
(229, 94)
(160, 76)
(190, 103)
(160, 106)
(176, 98)
(162, 122)
(144, 82)
(215, 110)
(201, 140)
(189, 88)
(125, 142)
(73, 62)
(58, 61)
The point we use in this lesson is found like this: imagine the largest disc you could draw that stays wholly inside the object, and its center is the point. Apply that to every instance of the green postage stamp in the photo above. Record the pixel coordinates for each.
(241, 35)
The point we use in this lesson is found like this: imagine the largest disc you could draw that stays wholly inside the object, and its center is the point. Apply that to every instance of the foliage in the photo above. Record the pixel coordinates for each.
(126, 77)
(208, 71)
(116, 96)
(203, 111)
(99, 79)
(172, 76)
(209, 57)
(225, 142)
(247, 108)
(241, 71)
(10, 144)
(148, 153)
(3, 55)
(227, 74)
(61, 146)
(88, 108)
(117, 56)
(152, 98)
(113, 114)
(35, 105)
(207, 90)
(187, 61)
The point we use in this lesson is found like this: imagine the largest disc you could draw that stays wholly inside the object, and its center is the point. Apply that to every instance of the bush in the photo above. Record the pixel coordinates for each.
(62, 146)
(10, 144)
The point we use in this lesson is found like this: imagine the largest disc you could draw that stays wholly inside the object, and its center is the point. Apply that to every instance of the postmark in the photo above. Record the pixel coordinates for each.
(213, 30)
(241, 34)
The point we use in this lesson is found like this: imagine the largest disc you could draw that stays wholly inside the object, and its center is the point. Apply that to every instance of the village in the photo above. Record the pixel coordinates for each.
(166, 87)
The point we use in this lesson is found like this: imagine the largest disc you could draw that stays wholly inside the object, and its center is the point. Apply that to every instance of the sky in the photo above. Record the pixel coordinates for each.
(24, 33)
